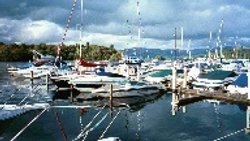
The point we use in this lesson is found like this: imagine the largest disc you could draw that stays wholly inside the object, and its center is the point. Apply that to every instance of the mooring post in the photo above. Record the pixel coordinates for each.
(111, 100)
(173, 78)
(71, 93)
(31, 77)
(184, 87)
(138, 72)
(174, 103)
(248, 75)
(185, 78)
(111, 96)
(184, 108)
(174, 95)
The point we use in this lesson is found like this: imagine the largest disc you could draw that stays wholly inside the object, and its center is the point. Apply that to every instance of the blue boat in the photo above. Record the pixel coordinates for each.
(240, 85)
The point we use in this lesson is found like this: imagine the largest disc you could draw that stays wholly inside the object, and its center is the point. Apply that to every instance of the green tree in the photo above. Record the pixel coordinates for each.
(115, 57)
(158, 57)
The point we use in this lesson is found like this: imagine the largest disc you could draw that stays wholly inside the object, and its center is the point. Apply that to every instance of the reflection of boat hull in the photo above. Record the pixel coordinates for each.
(130, 93)
(61, 83)
(130, 89)
(134, 103)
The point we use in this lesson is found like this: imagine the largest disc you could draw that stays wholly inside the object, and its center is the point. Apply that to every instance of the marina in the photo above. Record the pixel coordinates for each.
(91, 83)
(176, 102)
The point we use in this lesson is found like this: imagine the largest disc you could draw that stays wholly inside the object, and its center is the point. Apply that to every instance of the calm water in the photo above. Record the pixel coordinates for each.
(149, 121)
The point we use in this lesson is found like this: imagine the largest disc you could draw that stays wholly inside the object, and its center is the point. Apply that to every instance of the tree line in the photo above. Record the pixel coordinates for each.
(23, 52)
(241, 53)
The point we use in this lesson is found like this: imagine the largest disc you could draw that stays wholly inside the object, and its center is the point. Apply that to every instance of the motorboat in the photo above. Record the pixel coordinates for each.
(127, 89)
(212, 80)
(93, 80)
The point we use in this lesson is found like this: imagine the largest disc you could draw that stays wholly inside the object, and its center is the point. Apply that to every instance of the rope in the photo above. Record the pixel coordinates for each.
(28, 95)
(88, 125)
(25, 127)
(67, 27)
(11, 96)
(230, 134)
(97, 124)
(109, 125)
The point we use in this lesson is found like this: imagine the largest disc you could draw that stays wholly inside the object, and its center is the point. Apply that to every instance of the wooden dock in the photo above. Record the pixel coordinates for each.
(191, 95)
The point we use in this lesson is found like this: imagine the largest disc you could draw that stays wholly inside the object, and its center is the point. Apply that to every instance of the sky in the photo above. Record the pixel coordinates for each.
(116, 22)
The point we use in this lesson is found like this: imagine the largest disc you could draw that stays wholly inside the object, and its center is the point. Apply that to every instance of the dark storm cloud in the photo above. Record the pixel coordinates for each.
(159, 18)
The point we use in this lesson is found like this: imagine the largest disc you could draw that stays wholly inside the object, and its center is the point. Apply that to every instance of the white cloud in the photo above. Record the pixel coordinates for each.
(28, 31)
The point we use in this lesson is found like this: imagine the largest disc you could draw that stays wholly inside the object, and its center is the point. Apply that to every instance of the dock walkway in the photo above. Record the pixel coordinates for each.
(186, 96)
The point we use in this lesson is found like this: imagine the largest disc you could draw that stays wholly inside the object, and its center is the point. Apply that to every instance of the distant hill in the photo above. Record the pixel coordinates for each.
(169, 53)
(166, 53)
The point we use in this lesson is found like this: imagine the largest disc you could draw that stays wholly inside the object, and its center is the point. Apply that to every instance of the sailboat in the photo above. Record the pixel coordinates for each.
(89, 75)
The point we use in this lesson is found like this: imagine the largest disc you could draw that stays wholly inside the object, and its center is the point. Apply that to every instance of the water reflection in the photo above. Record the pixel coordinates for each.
(147, 118)
(133, 103)
(219, 120)
(248, 120)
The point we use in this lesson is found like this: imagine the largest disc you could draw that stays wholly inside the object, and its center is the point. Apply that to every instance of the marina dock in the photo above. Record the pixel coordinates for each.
(190, 95)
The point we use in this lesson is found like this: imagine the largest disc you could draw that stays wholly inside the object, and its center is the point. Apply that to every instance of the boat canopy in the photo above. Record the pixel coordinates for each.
(241, 81)
(163, 73)
(217, 75)
(84, 63)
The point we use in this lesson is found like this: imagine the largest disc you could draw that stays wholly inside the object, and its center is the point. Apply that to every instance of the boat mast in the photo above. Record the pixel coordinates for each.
(219, 42)
(139, 36)
(139, 22)
(182, 41)
(66, 28)
(220, 32)
(175, 43)
(189, 50)
(209, 45)
(81, 26)
(139, 32)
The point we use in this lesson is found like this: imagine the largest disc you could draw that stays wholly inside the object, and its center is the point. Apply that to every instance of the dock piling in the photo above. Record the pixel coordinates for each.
(138, 72)
(71, 93)
(184, 108)
(174, 103)
(111, 96)
(173, 78)
(185, 78)
(248, 75)
(31, 75)
(31, 78)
